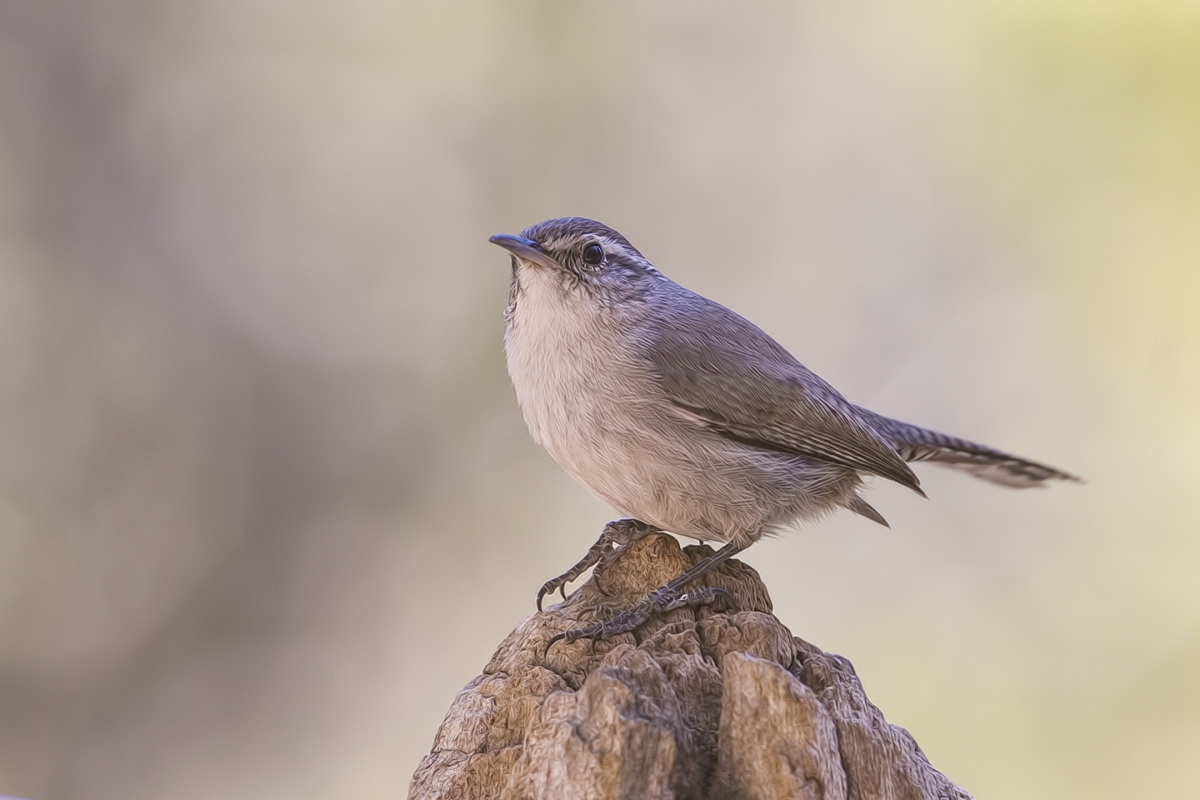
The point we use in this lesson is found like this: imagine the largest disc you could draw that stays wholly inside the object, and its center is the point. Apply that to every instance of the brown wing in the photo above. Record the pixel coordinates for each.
(734, 378)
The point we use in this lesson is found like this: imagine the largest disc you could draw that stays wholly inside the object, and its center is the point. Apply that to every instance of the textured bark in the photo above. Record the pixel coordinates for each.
(695, 704)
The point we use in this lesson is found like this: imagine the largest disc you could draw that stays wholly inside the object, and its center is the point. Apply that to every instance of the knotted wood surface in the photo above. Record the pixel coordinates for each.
(695, 704)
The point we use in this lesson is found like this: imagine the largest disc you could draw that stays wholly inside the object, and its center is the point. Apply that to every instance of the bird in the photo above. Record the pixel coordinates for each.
(686, 417)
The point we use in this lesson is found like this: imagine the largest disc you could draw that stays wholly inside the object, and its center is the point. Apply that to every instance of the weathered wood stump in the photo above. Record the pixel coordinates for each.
(695, 704)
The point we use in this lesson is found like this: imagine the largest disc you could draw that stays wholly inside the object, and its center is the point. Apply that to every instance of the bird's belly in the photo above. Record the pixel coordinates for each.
(687, 480)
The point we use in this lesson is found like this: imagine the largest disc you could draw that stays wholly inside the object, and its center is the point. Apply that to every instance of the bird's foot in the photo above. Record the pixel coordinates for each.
(660, 601)
(622, 533)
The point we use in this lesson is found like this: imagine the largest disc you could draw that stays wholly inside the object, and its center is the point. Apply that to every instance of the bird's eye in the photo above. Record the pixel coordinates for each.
(593, 254)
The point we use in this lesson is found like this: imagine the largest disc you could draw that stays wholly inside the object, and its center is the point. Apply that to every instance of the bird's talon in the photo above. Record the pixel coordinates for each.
(558, 637)
(600, 554)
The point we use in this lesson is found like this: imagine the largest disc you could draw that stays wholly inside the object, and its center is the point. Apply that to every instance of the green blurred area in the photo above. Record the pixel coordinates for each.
(266, 498)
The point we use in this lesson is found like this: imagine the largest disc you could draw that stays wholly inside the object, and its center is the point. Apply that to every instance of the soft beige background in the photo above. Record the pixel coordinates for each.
(266, 499)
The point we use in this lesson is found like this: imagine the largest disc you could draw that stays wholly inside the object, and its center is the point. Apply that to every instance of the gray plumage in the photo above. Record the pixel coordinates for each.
(684, 415)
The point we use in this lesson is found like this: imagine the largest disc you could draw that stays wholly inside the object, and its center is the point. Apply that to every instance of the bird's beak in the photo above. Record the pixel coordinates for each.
(524, 249)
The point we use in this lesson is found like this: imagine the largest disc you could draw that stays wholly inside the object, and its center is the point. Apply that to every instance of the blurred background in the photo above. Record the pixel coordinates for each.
(266, 498)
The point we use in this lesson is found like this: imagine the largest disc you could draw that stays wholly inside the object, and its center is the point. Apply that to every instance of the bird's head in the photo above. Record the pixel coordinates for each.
(578, 256)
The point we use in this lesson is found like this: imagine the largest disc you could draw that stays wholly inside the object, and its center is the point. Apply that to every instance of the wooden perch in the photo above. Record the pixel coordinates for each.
(695, 704)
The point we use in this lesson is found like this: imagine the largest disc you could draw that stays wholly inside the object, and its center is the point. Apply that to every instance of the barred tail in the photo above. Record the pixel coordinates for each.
(919, 444)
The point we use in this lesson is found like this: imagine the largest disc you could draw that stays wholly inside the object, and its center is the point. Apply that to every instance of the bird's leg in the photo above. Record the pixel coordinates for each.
(661, 600)
(624, 533)
(621, 532)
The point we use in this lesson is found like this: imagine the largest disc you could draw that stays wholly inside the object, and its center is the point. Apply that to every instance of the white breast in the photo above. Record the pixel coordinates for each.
(559, 360)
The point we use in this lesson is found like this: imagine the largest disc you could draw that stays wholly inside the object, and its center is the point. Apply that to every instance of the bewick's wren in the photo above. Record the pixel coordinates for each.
(685, 416)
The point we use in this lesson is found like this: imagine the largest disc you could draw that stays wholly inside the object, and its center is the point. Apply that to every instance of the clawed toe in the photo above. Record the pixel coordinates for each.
(660, 601)
(559, 584)
(627, 620)
(704, 596)
(602, 554)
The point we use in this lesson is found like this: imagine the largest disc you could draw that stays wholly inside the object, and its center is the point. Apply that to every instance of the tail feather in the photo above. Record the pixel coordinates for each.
(865, 509)
(919, 444)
